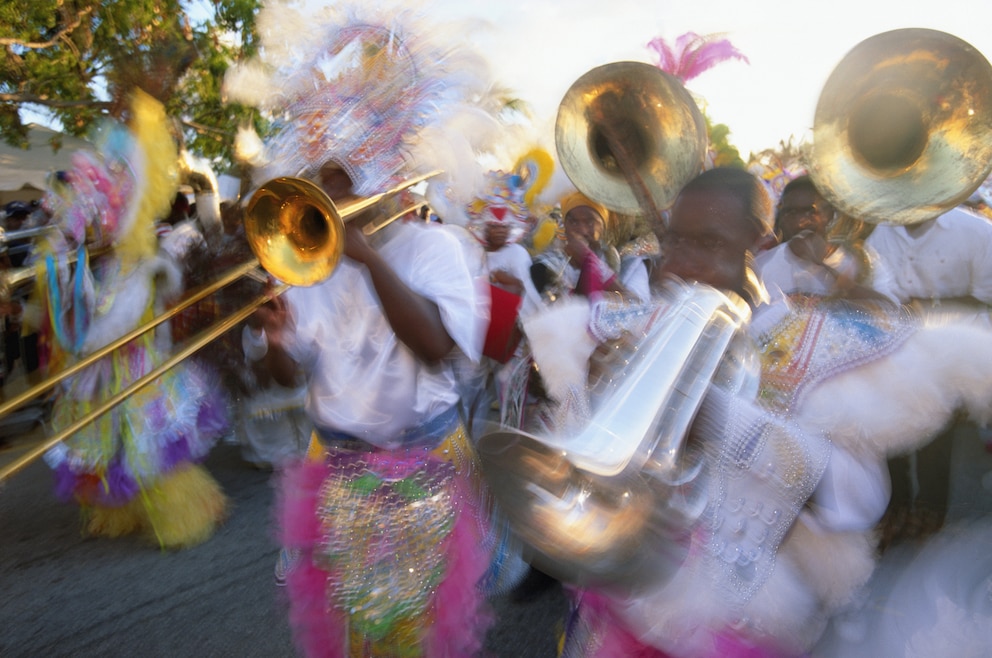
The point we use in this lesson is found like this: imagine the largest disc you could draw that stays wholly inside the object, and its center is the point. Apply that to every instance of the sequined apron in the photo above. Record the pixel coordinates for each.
(385, 516)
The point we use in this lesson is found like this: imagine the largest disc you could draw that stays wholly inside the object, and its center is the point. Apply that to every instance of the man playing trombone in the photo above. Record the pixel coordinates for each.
(381, 523)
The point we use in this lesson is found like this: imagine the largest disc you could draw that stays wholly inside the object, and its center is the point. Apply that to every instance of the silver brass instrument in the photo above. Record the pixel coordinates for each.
(602, 507)
(903, 127)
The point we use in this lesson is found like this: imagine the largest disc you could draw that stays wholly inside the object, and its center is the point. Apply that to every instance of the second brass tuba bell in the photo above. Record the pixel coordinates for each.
(903, 127)
(629, 135)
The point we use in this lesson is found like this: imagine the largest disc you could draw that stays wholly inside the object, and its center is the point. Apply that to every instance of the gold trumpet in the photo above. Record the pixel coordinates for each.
(903, 127)
(297, 232)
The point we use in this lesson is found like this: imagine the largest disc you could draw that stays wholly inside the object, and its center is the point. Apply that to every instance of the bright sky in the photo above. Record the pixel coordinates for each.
(540, 47)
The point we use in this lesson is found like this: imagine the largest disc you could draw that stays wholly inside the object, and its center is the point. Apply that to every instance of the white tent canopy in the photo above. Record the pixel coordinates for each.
(23, 171)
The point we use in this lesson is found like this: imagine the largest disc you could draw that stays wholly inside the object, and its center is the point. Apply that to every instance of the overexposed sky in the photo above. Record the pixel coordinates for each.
(540, 47)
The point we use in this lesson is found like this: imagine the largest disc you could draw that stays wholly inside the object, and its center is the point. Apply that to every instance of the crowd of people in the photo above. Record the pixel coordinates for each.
(822, 441)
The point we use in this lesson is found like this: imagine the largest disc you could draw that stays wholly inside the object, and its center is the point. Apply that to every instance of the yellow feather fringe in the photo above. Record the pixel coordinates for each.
(185, 507)
(115, 521)
(158, 175)
(544, 235)
(182, 510)
(544, 165)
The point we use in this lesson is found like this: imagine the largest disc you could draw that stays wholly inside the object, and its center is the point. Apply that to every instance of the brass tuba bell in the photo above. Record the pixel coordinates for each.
(903, 127)
(297, 232)
(629, 135)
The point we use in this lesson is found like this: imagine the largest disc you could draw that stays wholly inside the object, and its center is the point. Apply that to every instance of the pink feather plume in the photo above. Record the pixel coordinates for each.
(693, 54)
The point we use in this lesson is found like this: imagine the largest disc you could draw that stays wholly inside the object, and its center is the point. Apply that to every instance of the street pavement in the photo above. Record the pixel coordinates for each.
(62, 594)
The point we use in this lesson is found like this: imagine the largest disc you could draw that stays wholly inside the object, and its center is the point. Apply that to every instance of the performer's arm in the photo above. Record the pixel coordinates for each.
(264, 336)
(415, 319)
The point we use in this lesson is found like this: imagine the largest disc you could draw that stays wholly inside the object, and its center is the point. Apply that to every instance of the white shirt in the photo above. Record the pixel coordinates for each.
(781, 269)
(950, 256)
(362, 380)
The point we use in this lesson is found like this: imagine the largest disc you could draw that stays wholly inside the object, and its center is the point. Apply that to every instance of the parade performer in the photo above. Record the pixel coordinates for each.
(135, 469)
(383, 521)
(817, 254)
(794, 463)
(585, 262)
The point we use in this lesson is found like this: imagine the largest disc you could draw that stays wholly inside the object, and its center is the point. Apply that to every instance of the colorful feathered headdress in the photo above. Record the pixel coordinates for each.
(112, 196)
(353, 85)
(509, 197)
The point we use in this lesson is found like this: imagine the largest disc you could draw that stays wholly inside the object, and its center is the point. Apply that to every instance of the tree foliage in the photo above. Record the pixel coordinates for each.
(75, 61)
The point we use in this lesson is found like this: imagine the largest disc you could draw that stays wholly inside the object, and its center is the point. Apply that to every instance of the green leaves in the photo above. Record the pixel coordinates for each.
(75, 61)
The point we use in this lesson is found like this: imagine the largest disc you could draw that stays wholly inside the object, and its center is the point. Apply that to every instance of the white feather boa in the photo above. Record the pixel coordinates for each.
(900, 402)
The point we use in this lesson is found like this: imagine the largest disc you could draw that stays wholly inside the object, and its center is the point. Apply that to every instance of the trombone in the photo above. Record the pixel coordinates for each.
(297, 234)
(297, 231)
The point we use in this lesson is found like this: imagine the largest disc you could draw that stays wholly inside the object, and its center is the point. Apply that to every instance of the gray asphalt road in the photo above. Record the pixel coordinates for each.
(62, 594)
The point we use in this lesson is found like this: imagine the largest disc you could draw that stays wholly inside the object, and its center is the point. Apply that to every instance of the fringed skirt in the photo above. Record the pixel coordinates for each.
(135, 468)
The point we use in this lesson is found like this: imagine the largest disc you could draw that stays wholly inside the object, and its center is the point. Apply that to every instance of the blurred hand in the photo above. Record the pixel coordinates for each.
(272, 317)
(576, 246)
(356, 246)
(507, 282)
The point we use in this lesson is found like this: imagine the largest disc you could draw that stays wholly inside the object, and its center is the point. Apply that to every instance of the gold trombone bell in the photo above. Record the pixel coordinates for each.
(297, 232)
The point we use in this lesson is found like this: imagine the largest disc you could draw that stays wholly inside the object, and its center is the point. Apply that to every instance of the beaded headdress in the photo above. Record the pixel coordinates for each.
(508, 198)
(349, 87)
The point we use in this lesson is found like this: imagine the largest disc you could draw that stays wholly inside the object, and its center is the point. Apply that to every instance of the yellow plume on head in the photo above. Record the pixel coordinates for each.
(535, 168)
(156, 157)
(544, 235)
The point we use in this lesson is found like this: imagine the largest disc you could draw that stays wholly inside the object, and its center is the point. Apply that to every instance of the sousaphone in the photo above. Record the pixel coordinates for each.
(903, 127)
(609, 505)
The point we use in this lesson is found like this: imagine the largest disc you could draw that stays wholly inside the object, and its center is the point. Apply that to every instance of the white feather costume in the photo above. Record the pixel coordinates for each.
(880, 385)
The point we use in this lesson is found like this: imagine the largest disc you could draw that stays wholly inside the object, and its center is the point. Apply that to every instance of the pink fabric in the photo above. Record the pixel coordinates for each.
(615, 641)
(460, 611)
(594, 277)
(315, 631)
(731, 645)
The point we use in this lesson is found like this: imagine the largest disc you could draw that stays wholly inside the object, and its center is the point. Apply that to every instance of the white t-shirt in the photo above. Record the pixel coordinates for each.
(779, 268)
(362, 381)
(950, 256)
